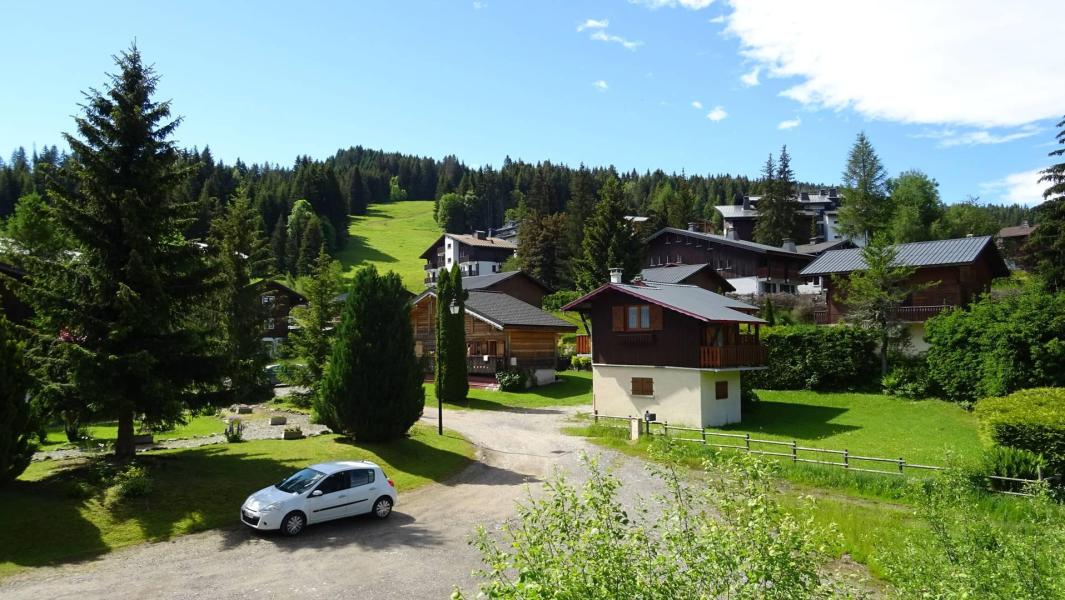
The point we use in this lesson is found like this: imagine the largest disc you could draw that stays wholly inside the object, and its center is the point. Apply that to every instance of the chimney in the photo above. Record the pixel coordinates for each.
(815, 240)
(691, 226)
(615, 275)
(824, 192)
(479, 234)
(789, 245)
(833, 192)
(746, 203)
(731, 233)
(1024, 223)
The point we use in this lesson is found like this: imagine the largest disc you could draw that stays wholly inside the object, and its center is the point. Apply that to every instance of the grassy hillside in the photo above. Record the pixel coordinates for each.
(390, 237)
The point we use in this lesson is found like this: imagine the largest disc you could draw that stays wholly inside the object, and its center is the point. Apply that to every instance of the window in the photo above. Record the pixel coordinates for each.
(268, 324)
(361, 477)
(334, 483)
(643, 386)
(268, 299)
(721, 390)
(639, 317)
(636, 317)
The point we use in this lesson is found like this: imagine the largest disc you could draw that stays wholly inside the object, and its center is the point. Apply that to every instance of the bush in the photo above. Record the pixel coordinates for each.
(817, 358)
(908, 378)
(234, 431)
(1002, 461)
(581, 363)
(132, 482)
(998, 345)
(1032, 420)
(556, 301)
(511, 380)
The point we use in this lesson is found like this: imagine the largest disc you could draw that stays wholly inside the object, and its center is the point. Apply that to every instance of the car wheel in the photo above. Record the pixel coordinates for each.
(293, 524)
(383, 507)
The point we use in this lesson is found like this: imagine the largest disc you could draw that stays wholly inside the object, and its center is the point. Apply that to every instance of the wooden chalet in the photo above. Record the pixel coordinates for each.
(277, 301)
(475, 254)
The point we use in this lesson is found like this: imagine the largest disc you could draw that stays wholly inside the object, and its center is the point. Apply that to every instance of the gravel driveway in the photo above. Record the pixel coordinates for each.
(421, 551)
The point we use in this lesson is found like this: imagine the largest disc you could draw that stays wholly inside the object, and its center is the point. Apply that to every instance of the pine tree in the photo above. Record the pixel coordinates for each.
(539, 253)
(866, 205)
(279, 244)
(1047, 244)
(16, 448)
(242, 251)
(451, 381)
(372, 388)
(769, 313)
(357, 193)
(609, 242)
(118, 326)
(777, 208)
(312, 340)
(312, 243)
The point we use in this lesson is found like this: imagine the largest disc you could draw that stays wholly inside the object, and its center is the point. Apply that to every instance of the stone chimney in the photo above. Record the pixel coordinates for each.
(615, 275)
(731, 233)
(789, 245)
(479, 234)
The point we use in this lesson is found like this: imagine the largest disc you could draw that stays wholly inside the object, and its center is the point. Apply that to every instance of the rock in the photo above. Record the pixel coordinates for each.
(278, 420)
(143, 438)
(293, 434)
(244, 409)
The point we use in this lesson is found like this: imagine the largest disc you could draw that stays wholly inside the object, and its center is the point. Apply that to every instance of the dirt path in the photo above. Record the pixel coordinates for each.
(421, 551)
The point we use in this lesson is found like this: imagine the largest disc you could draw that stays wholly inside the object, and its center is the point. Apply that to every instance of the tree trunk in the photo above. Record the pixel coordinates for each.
(72, 426)
(124, 442)
(883, 353)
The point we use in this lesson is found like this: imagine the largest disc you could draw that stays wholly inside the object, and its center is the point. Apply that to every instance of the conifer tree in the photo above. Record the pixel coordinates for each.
(450, 380)
(1047, 244)
(777, 208)
(16, 448)
(312, 340)
(312, 243)
(237, 234)
(117, 326)
(358, 200)
(609, 242)
(279, 244)
(372, 388)
(866, 205)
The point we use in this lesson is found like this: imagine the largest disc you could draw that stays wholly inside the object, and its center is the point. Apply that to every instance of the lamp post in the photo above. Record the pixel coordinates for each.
(454, 309)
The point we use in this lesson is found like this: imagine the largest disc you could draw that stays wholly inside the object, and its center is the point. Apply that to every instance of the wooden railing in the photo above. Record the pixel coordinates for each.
(477, 365)
(821, 317)
(919, 313)
(584, 344)
(732, 356)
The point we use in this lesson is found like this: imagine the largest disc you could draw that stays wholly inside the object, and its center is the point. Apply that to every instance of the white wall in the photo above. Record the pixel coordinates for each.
(720, 412)
(746, 286)
(681, 396)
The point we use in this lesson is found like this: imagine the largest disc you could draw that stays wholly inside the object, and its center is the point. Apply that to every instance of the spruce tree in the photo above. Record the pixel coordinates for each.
(372, 388)
(16, 434)
(358, 201)
(312, 340)
(539, 252)
(312, 243)
(242, 251)
(1047, 244)
(279, 244)
(118, 326)
(866, 205)
(451, 381)
(609, 242)
(777, 208)
(579, 209)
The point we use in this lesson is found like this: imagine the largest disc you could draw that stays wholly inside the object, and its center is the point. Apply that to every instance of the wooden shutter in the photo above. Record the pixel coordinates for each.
(721, 390)
(656, 317)
(619, 318)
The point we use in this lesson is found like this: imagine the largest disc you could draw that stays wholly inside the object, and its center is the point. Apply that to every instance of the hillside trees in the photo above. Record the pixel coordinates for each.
(539, 252)
(962, 219)
(917, 207)
(609, 242)
(117, 325)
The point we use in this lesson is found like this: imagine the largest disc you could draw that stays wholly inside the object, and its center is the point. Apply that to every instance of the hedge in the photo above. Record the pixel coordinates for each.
(818, 358)
(1032, 419)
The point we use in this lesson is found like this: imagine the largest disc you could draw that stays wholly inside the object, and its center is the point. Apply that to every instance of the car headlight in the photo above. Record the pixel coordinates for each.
(270, 507)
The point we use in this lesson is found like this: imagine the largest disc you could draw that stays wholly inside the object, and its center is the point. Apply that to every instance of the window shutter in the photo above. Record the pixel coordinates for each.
(619, 318)
(656, 317)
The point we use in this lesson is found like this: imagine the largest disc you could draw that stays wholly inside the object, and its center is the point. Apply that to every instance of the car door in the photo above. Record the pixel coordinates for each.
(363, 490)
(333, 502)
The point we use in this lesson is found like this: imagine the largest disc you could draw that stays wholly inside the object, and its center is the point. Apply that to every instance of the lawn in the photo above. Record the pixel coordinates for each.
(574, 388)
(391, 237)
(194, 489)
(105, 432)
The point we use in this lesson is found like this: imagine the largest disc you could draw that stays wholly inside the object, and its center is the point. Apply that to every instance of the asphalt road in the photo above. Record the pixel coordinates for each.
(421, 551)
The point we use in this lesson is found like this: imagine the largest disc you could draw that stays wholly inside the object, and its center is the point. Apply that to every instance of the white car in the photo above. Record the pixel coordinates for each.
(321, 492)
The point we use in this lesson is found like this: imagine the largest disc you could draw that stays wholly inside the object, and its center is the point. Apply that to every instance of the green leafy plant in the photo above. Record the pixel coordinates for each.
(1032, 420)
(817, 358)
(581, 363)
(555, 301)
(1002, 461)
(510, 380)
(234, 431)
(908, 378)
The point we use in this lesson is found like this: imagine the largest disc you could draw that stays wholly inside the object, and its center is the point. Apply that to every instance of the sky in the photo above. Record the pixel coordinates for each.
(966, 91)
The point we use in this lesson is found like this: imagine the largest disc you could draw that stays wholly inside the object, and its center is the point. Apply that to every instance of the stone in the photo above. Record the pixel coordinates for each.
(278, 420)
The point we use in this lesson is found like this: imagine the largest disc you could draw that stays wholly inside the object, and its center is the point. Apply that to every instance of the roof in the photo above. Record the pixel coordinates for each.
(689, 300)
(503, 310)
(736, 211)
(478, 282)
(471, 240)
(1023, 230)
(960, 251)
(821, 247)
(272, 284)
(720, 239)
(339, 465)
(678, 273)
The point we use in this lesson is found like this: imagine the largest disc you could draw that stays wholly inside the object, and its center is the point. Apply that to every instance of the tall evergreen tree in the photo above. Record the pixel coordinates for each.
(312, 340)
(866, 205)
(312, 243)
(118, 323)
(372, 388)
(279, 245)
(539, 253)
(16, 447)
(777, 209)
(358, 195)
(450, 380)
(609, 242)
(1047, 244)
(237, 233)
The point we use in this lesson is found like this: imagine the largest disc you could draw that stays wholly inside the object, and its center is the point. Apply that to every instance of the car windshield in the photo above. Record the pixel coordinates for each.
(301, 481)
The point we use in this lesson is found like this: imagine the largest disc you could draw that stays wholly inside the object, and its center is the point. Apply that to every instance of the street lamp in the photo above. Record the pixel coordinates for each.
(454, 308)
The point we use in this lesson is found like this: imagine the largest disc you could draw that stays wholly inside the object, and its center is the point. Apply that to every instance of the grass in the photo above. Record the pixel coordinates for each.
(391, 237)
(105, 432)
(574, 388)
(194, 490)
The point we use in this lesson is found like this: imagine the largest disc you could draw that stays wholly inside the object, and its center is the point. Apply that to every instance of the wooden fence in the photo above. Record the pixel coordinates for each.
(803, 454)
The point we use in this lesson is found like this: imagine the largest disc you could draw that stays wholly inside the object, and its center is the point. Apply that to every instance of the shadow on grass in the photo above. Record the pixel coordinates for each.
(358, 251)
(797, 421)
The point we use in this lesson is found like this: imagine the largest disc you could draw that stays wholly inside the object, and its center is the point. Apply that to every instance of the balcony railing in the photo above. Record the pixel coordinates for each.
(821, 317)
(477, 365)
(917, 314)
(713, 357)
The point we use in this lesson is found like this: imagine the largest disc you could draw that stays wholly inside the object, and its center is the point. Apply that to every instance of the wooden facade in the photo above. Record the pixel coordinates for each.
(730, 260)
(277, 302)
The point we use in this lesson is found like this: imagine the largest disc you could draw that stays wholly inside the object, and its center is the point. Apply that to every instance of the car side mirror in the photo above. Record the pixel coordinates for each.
(316, 493)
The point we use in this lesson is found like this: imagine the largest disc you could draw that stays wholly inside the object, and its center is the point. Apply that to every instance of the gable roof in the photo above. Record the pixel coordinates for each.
(503, 310)
(960, 251)
(479, 282)
(821, 247)
(270, 284)
(689, 300)
(736, 211)
(1023, 230)
(470, 240)
(720, 239)
(678, 273)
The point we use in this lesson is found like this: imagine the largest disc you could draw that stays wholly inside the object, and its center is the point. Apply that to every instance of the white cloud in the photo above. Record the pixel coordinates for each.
(982, 63)
(689, 4)
(1023, 188)
(717, 114)
(697, 104)
(602, 36)
(751, 78)
(718, 19)
(593, 24)
(478, 5)
(600, 85)
(790, 123)
(949, 137)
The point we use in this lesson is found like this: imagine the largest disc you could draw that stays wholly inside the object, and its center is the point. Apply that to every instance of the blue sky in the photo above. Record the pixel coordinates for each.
(962, 91)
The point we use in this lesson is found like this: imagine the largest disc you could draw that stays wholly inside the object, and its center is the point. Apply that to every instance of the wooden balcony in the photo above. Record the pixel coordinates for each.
(919, 314)
(477, 365)
(723, 357)
(821, 317)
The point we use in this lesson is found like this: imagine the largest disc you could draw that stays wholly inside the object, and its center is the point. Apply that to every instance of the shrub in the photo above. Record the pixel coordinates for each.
(511, 380)
(581, 363)
(1032, 420)
(234, 431)
(817, 358)
(1002, 461)
(132, 482)
(556, 301)
(1000, 344)
(908, 378)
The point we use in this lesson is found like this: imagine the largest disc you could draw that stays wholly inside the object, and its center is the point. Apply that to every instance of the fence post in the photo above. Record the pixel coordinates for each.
(1038, 473)
(747, 441)
(794, 451)
(846, 459)
(703, 432)
(901, 464)
(595, 416)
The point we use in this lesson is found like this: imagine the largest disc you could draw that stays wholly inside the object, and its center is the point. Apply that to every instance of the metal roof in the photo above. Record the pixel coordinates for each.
(678, 273)
(471, 240)
(477, 282)
(720, 239)
(959, 251)
(1023, 230)
(690, 300)
(502, 310)
(736, 211)
(820, 247)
